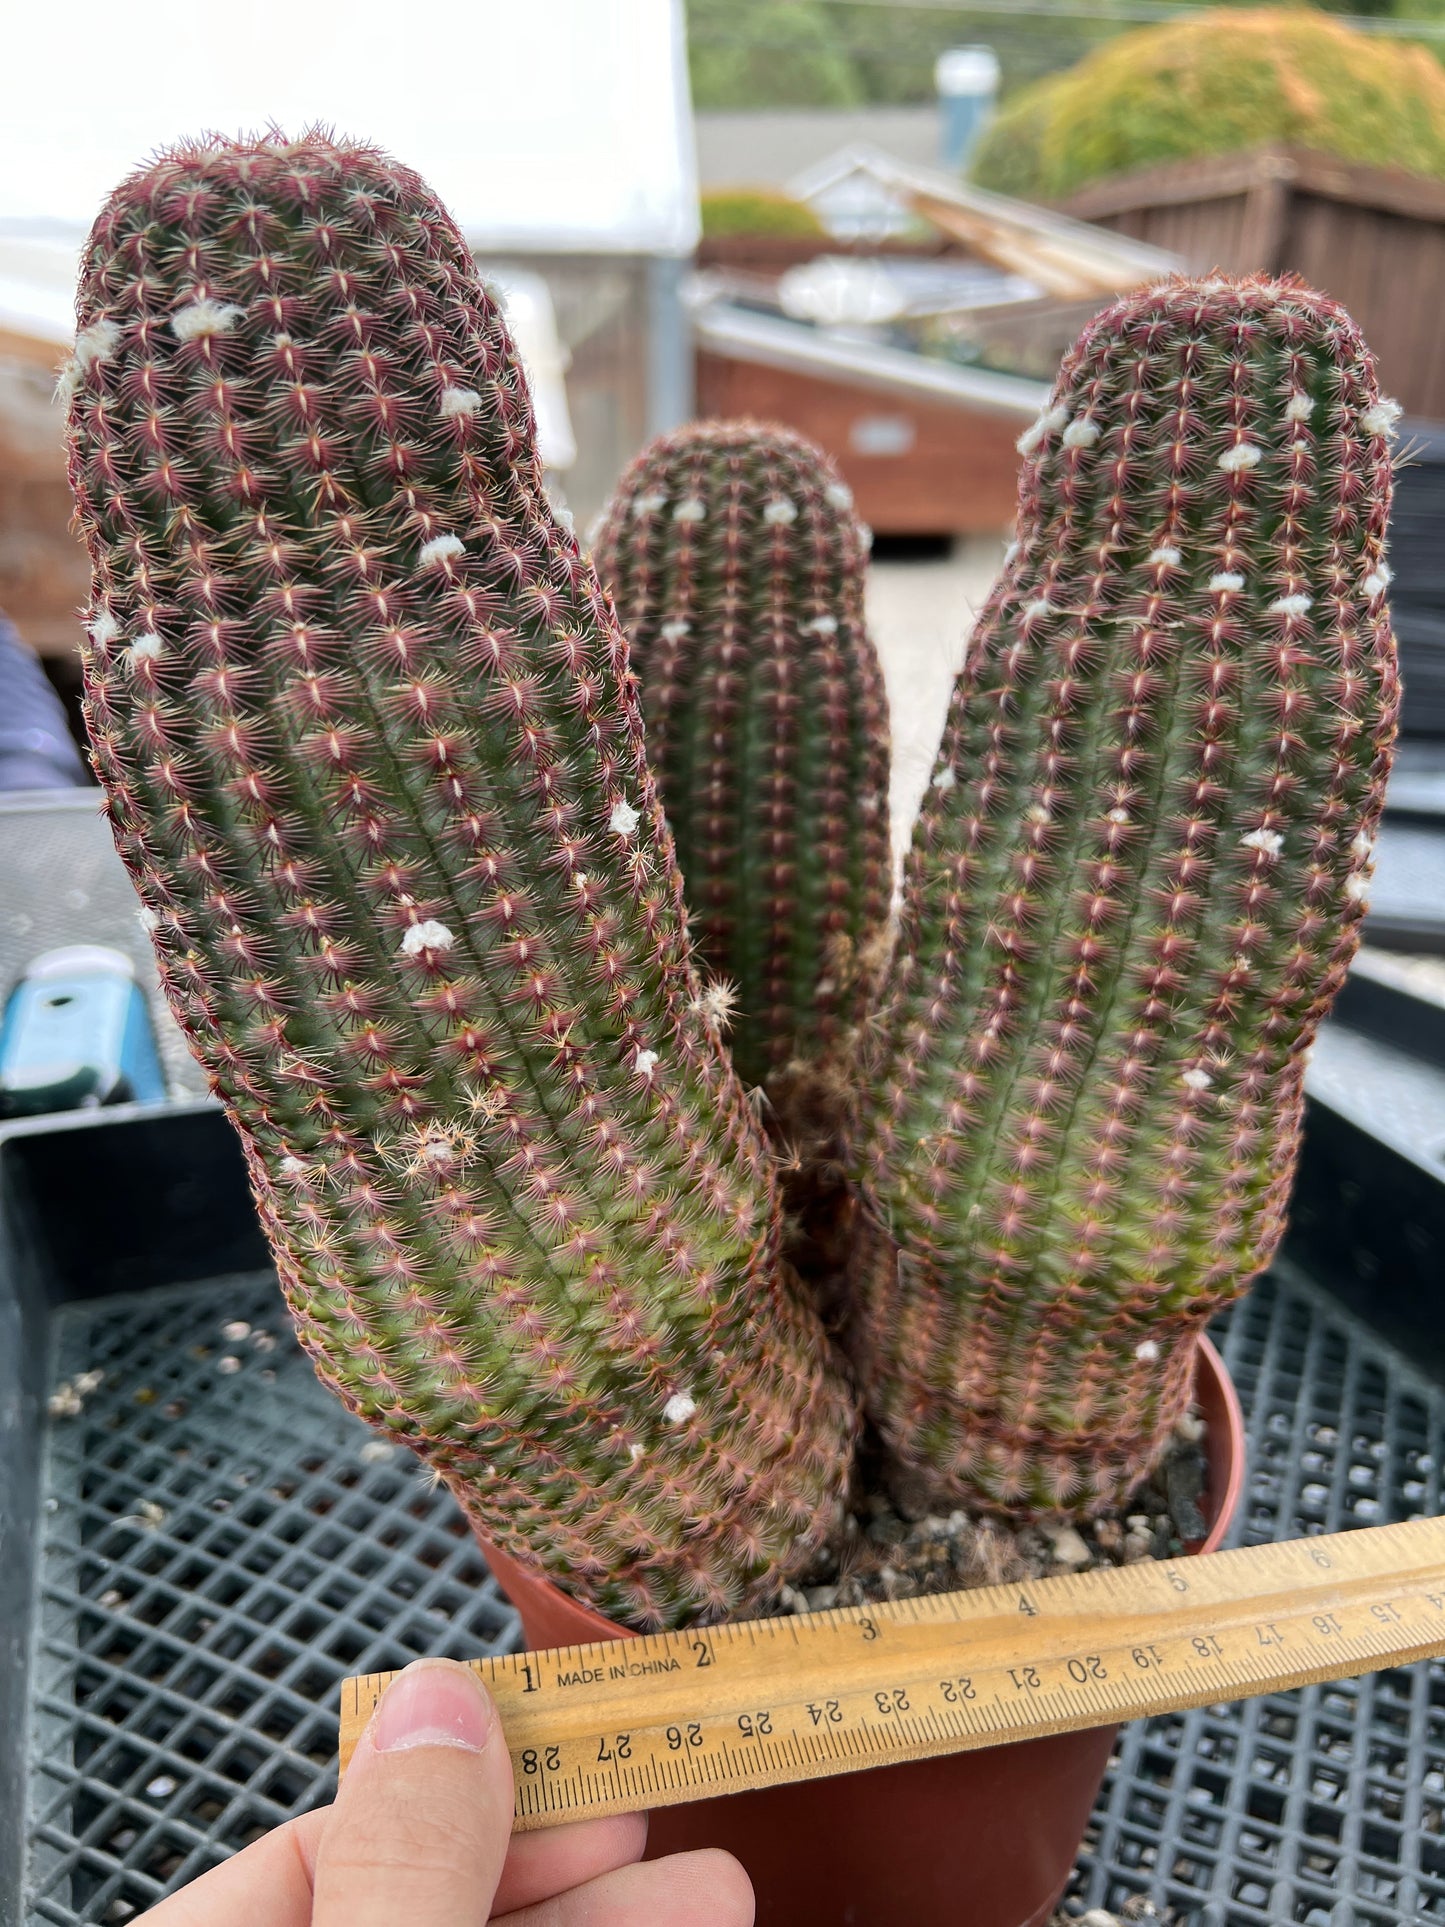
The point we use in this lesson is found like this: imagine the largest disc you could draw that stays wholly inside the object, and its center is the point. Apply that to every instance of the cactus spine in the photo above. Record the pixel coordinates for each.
(738, 567)
(374, 760)
(1133, 891)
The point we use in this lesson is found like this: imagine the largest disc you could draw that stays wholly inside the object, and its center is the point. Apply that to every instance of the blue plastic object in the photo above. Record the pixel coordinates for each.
(76, 1033)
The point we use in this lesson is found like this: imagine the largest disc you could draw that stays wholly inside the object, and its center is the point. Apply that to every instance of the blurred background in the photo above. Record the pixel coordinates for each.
(878, 223)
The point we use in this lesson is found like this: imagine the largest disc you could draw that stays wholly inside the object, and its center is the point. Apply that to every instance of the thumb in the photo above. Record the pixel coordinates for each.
(422, 1822)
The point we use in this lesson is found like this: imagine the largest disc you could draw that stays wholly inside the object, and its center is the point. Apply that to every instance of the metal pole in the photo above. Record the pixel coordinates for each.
(670, 387)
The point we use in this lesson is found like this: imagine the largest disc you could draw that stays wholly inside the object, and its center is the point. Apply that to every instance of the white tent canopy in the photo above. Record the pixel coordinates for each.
(554, 125)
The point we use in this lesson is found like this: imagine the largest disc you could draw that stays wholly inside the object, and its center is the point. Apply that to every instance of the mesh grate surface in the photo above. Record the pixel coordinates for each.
(1325, 1806)
(223, 1544)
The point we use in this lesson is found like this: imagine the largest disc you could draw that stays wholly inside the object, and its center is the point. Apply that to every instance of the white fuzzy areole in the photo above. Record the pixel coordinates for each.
(1357, 889)
(945, 779)
(103, 629)
(675, 631)
(1267, 842)
(147, 919)
(1147, 1350)
(823, 625)
(429, 935)
(645, 1063)
(1083, 433)
(1167, 557)
(1117, 816)
(647, 505)
(1291, 605)
(1241, 456)
(838, 495)
(205, 317)
(691, 508)
(1363, 844)
(1040, 606)
(716, 1002)
(1227, 579)
(1378, 580)
(779, 512)
(459, 401)
(1031, 437)
(98, 342)
(1197, 1080)
(1299, 407)
(624, 819)
(1382, 417)
(1051, 419)
(679, 1408)
(292, 1167)
(146, 648)
(441, 548)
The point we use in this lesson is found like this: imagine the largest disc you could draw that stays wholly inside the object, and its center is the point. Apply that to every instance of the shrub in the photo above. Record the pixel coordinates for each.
(1216, 83)
(757, 210)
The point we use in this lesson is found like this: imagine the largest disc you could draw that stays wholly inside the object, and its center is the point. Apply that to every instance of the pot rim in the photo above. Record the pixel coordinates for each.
(511, 1574)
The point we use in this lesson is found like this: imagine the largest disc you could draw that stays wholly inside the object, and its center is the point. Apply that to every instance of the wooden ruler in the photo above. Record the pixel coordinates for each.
(632, 1723)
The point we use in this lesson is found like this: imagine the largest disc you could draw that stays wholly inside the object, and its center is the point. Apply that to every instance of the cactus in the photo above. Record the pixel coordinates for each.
(737, 566)
(373, 757)
(1134, 888)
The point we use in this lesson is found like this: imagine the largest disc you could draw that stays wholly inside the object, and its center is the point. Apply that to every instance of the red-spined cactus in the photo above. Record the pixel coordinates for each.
(373, 758)
(1134, 888)
(738, 565)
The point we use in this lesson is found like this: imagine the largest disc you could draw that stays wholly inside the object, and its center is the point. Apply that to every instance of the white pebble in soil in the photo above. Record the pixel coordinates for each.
(1069, 1548)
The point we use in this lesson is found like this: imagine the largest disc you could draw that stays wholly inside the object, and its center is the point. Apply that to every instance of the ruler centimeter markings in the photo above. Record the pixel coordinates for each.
(648, 1722)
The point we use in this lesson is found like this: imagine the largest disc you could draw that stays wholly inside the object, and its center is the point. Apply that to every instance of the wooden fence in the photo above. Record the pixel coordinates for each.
(1372, 238)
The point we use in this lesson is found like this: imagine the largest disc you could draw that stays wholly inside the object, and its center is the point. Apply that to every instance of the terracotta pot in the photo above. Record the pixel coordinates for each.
(985, 1839)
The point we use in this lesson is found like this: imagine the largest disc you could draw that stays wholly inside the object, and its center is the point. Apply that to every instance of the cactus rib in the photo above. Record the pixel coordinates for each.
(372, 754)
(1134, 889)
(737, 565)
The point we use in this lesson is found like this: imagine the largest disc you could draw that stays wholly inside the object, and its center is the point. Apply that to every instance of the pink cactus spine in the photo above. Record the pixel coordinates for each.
(738, 569)
(373, 757)
(1134, 889)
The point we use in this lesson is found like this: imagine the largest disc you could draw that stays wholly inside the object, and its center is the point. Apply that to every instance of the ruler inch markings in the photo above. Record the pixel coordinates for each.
(808, 1696)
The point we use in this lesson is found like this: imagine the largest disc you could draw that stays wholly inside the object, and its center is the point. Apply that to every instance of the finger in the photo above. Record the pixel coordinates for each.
(541, 1864)
(537, 1864)
(421, 1824)
(306, 1832)
(707, 1889)
(269, 1880)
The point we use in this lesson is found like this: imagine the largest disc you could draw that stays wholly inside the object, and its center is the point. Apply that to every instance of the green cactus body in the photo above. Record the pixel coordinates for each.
(1134, 888)
(738, 569)
(374, 759)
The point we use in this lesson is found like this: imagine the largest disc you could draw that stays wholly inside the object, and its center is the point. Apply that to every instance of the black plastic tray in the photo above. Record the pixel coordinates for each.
(191, 1564)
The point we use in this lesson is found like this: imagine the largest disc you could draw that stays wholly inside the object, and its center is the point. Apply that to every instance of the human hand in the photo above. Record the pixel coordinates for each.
(421, 1833)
